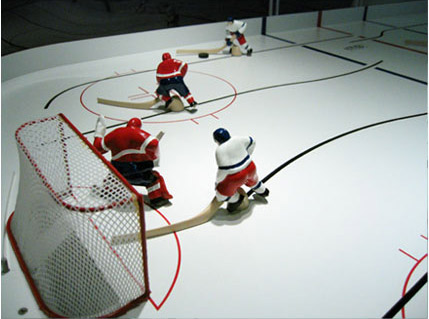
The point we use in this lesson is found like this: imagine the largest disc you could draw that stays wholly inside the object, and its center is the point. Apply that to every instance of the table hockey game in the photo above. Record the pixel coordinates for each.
(337, 104)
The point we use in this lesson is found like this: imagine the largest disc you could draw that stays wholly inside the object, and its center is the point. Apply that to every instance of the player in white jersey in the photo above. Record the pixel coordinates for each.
(235, 35)
(235, 168)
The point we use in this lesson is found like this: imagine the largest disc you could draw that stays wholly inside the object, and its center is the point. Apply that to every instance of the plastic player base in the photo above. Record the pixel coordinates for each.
(176, 104)
(235, 51)
(203, 55)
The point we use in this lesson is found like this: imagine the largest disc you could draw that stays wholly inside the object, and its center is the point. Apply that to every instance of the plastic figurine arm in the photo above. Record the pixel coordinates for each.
(100, 131)
(251, 146)
(242, 28)
(183, 69)
(152, 150)
(98, 143)
(158, 78)
(100, 127)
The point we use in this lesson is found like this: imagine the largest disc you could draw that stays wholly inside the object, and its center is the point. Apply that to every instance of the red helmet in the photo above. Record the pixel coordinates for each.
(166, 56)
(134, 122)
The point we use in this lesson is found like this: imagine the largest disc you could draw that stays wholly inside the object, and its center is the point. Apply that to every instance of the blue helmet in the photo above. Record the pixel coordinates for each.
(221, 135)
(229, 19)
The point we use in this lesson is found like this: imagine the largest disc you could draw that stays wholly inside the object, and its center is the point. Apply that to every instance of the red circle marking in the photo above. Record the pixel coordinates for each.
(155, 304)
(176, 275)
(171, 121)
(404, 290)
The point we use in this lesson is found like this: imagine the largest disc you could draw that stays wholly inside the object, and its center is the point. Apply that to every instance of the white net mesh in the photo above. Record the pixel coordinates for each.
(70, 205)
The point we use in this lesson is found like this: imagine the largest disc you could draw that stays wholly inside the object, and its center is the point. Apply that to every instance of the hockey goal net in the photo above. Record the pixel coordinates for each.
(71, 203)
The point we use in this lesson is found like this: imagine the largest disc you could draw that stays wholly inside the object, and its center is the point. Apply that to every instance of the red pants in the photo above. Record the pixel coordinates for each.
(158, 188)
(231, 183)
(241, 39)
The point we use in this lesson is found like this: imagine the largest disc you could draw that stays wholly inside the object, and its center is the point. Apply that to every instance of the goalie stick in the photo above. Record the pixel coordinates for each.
(184, 51)
(199, 219)
(160, 135)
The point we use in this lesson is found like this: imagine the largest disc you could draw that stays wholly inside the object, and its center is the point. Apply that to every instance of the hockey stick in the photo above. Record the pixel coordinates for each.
(182, 51)
(199, 219)
(141, 106)
(132, 105)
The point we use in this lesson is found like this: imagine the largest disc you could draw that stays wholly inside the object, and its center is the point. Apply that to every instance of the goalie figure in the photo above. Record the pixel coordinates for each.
(235, 35)
(133, 154)
(169, 75)
(235, 168)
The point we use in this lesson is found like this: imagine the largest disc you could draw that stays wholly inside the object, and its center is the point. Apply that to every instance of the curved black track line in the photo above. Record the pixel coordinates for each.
(296, 83)
(153, 70)
(294, 44)
(295, 158)
(388, 30)
(112, 78)
(348, 59)
(256, 90)
(413, 291)
(405, 28)
(91, 82)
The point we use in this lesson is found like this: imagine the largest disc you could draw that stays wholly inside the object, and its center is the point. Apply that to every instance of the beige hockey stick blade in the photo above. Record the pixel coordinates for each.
(181, 51)
(131, 105)
(199, 219)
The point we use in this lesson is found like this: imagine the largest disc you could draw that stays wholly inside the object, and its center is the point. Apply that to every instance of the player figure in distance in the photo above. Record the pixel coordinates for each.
(235, 168)
(133, 154)
(235, 35)
(169, 75)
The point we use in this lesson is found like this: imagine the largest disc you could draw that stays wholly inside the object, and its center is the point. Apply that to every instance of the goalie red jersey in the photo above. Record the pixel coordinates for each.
(129, 144)
(133, 152)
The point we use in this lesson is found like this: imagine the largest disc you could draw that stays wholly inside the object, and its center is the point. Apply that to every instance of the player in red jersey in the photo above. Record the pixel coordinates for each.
(169, 75)
(133, 154)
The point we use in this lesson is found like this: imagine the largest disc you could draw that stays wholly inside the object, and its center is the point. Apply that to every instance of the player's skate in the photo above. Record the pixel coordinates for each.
(159, 202)
(262, 196)
(192, 107)
(241, 204)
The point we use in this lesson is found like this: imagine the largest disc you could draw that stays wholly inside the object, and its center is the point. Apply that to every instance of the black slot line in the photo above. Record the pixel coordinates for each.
(256, 90)
(295, 158)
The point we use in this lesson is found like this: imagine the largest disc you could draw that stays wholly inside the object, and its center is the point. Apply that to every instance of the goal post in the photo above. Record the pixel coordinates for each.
(71, 203)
